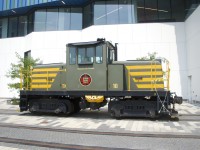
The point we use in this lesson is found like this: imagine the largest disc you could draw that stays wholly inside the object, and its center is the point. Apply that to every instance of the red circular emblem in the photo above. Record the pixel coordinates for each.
(85, 79)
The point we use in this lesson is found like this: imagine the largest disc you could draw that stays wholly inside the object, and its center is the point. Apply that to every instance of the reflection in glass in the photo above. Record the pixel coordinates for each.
(87, 16)
(12, 4)
(4, 30)
(112, 12)
(125, 12)
(76, 18)
(1, 28)
(99, 54)
(12, 29)
(52, 20)
(64, 19)
(85, 56)
(99, 13)
(164, 10)
(40, 20)
(72, 55)
(140, 11)
(1, 5)
(22, 28)
(151, 10)
(178, 10)
(30, 23)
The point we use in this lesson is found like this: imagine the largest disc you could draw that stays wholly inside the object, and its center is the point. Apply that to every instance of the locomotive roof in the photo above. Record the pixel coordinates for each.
(85, 43)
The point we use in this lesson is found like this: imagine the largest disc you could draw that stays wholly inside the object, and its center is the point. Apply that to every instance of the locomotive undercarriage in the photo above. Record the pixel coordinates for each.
(118, 106)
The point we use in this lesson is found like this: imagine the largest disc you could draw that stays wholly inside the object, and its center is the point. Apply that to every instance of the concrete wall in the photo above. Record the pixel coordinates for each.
(192, 26)
(135, 40)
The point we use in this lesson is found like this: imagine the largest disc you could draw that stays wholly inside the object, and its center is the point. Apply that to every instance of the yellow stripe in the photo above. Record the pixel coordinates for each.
(144, 67)
(41, 86)
(41, 80)
(147, 79)
(45, 69)
(145, 73)
(44, 75)
(149, 86)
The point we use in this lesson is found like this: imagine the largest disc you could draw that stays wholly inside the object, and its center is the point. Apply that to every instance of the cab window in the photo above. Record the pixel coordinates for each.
(72, 55)
(99, 54)
(86, 55)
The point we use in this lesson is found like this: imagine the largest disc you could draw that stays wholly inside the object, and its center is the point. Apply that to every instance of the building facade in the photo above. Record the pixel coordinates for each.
(169, 27)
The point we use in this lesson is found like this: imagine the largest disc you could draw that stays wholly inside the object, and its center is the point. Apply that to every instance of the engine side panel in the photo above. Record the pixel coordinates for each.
(144, 76)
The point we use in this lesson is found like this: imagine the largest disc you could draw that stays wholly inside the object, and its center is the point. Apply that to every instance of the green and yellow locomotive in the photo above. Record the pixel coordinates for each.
(92, 77)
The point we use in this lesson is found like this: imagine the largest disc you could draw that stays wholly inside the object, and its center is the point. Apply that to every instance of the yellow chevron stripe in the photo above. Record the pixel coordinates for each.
(41, 80)
(147, 79)
(44, 75)
(45, 69)
(145, 73)
(149, 86)
(144, 67)
(41, 86)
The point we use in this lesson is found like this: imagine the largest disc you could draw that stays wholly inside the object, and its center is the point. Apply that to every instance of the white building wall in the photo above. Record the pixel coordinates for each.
(135, 40)
(192, 25)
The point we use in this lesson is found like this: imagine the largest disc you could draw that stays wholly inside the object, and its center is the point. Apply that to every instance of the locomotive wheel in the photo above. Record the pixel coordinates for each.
(61, 108)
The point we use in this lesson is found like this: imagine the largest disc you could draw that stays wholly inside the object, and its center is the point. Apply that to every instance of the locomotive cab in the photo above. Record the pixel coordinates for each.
(87, 64)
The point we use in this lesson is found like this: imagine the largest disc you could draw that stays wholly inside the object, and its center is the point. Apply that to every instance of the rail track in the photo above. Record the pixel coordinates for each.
(92, 132)
(53, 145)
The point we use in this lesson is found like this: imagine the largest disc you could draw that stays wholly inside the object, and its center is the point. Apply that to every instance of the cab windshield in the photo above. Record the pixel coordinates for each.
(86, 55)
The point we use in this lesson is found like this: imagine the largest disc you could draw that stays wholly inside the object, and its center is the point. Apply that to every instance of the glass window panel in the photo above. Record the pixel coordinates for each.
(164, 10)
(44, 1)
(1, 28)
(72, 55)
(52, 20)
(64, 19)
(12, 4)
(24, 3)
(6, 4)
(32, 2)
(112, 12)
(87, 16)
(177, 10)
(40, 20)
(4, 27)
(140, 11)
(21, 3)
(22, 29)
(81, 55)
(28, 2)
(40, 1)
(90, 55)
(12, 30)
(151, 10)
(76, 19)
(35, 1)
(100, 13)
(16, 3)
(125, 11)
(85, 56)
(30, 23)
(99, 54)
(1, 5)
